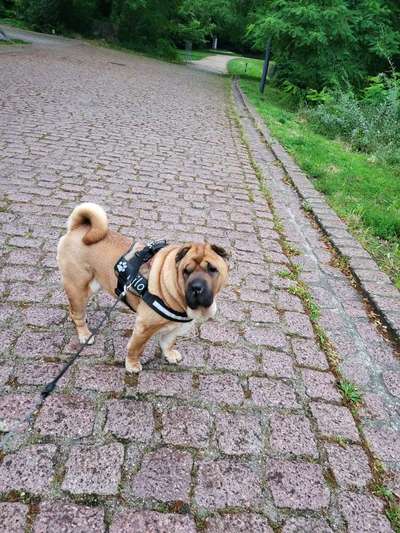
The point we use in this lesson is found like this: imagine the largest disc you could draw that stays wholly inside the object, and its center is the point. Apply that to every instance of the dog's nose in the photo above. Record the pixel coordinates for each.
(197, 287)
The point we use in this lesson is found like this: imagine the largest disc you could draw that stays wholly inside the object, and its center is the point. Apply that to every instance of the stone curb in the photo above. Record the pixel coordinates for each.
(375, 284)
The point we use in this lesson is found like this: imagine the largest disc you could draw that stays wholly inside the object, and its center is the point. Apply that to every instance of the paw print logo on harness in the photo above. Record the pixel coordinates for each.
(122, 266)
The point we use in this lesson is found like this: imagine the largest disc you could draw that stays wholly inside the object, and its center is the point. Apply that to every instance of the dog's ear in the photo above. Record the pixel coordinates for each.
(220, 251)
(181, 253)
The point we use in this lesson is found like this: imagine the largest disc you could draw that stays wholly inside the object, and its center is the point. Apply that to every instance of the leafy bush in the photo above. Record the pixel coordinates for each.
(370, 123)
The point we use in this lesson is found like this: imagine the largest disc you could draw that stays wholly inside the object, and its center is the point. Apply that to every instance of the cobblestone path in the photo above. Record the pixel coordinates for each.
(249, 433)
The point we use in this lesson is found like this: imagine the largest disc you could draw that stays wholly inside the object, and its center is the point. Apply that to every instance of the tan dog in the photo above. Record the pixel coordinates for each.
(187, 278)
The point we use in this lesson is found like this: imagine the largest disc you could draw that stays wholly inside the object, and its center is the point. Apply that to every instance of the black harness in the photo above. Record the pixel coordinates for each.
(127, 271)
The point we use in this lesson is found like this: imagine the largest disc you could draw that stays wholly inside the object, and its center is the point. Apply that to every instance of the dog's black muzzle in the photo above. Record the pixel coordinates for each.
(199, 294)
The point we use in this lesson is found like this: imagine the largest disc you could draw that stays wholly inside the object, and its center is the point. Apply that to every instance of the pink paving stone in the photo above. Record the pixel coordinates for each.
(129, 521)
(68, 518)
(193, 353)
(264, 314)
(308, 354)
(266, 392)
(130, 419)
(219, 332)
(292, 434)
(321, 385)
(66, 416)
(334, 421)
(44, 316)
(13, 517)
(286, 301)
(299, 324)
(232, 310)
(186, 426)
(306, 525)
(277, 364)
(257, 297)
(96, 349)
(33, 344)
(24, 273)
(392, 382)
(101, 378)
(241, 360)
(227, 483)
(266, 336)
(238, 434)
(30, 469)
(297, 485)
(94, 469)
(5, 371)
(39, 373)
(7, 338)
(221, 389)
(363, 513)
(14, 408)
(238, 523)
(349, 465)
(177, 384)
(24, 292)
(384, 443)
(373, 407)
(164, 475)
(356, 372)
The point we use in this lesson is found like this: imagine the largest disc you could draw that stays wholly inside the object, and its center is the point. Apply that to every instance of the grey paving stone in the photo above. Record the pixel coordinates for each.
(164, 475)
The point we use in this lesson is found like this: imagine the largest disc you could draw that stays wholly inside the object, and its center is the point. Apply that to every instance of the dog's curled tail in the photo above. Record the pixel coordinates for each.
(91, 215)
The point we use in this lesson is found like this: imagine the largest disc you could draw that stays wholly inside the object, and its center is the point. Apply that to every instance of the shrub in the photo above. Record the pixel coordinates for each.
(370, 123)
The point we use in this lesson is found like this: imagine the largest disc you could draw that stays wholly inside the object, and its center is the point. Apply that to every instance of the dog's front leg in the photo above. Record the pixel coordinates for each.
(141, 334)
(168, 338)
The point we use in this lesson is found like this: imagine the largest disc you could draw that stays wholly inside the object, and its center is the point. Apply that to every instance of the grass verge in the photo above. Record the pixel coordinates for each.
(364, 193)
(13, 41)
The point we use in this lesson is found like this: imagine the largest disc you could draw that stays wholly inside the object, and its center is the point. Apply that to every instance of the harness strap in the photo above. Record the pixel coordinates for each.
(127, 271)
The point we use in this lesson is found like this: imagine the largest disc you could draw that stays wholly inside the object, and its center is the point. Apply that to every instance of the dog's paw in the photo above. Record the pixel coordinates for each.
(173, 356)
(83, 339)
(132, 368)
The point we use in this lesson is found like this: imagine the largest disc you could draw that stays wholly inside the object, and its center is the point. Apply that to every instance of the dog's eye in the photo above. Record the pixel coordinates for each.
(211, 269)
(186, 272)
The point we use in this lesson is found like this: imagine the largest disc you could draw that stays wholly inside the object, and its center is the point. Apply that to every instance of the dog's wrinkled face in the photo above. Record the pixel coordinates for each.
(202, 272)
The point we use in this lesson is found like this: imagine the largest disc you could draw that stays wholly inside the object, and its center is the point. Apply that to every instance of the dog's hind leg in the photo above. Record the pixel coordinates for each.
(78, 295)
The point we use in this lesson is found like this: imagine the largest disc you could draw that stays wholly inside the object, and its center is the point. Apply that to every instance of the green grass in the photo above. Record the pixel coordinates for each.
(195, 55)
(15, 22)
(13, 41)
(350, 392)
(246, 68)
(364, 193)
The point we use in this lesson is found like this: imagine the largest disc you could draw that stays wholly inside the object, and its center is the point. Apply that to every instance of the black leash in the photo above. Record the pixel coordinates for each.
(49, 388)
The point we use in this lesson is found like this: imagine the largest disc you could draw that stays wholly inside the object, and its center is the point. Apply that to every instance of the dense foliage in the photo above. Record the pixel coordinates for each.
(315, 43)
